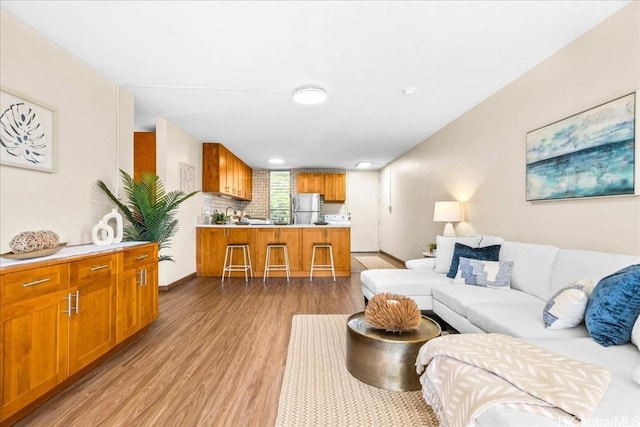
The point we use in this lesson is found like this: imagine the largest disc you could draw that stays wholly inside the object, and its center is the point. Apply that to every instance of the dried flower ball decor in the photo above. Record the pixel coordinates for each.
(30, 241)
(393, 313)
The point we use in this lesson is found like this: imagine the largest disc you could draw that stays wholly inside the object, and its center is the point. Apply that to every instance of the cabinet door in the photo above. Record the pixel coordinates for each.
(148, 291)
(262, 237)
(309, 237)
(212, 163)
(92, 327)
(340, 238)
(335, 187)
(248, 184)
(240, 235)
(211, 243)
(128, 303)
(35, 327)
(224, 158)
(293, 238)
(311, 183)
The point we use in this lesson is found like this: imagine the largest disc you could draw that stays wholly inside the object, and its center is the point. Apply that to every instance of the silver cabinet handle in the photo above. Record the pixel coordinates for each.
(35, 282)
(99, 267)
(77, 300)
(69, 297)
(141, 275)
(68, 311)
(139, 257)
(145, 277)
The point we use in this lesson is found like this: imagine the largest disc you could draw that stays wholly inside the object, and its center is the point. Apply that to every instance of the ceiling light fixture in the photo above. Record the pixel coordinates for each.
(364, 165)
(309, 95)
(275, 161)
(409, 91)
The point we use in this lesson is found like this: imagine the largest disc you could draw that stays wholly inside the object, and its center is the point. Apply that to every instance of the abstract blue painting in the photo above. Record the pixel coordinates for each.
(589, 154)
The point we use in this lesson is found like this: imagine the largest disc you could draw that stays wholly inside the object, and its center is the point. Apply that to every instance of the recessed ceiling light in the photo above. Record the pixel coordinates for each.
(363, 165)
(409, 91)
(310, 95)
(275, 161)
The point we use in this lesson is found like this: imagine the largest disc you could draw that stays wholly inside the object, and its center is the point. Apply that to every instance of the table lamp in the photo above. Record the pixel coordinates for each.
(448, 212)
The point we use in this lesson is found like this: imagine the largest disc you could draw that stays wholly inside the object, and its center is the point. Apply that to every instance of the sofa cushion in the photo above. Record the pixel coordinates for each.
(487, 253)
(532, 264)
(402, 282)
(444, 253)
(566, 308)
(421, 264)
(459, 297)
(614, 307)
(518, 320)
(571, 265)
(489, 274)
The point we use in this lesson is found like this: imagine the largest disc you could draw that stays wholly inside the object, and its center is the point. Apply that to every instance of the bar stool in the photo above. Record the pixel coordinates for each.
(245, 266)
(276, 267)
(327, 267)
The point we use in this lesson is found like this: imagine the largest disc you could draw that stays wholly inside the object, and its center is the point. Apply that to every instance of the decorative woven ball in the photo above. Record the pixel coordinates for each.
(394, 313)
(29, 241)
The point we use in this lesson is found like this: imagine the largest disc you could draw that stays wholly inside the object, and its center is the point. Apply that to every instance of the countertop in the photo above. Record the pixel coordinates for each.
(272, 226)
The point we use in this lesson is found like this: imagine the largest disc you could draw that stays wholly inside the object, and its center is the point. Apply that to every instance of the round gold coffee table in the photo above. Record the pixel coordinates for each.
(386, 360)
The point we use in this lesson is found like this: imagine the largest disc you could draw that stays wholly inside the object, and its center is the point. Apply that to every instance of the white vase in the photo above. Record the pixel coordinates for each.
(118, 229)
(102, 234)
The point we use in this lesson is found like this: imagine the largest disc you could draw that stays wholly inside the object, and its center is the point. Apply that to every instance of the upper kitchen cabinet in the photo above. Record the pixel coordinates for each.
(335, 187)
(224, 173)
(331, 185)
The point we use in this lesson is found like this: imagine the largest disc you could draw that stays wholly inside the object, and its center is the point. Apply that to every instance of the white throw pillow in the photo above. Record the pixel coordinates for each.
(446, 245)
(566, 308)
(635, 333)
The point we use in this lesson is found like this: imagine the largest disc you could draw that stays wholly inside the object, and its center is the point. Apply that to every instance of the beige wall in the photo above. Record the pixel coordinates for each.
(480, 157)
(86, 106)
(175, 146)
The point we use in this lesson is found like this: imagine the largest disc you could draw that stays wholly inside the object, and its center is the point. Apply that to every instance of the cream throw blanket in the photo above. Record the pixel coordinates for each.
(467, 373)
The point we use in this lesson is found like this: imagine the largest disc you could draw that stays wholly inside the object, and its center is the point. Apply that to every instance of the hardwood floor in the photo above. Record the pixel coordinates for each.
(215, 357)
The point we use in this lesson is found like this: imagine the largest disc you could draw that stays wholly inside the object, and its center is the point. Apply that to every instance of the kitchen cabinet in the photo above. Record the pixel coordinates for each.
(335, 187)
(289, 235)
(211, 244)
(310, 183)
(137, 291)
(59, 317)
(340, 239)
(224, 173)
(92, 327)
(331, 185)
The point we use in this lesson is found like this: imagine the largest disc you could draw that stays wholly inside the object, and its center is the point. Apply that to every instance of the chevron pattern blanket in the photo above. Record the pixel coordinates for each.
(464, 374)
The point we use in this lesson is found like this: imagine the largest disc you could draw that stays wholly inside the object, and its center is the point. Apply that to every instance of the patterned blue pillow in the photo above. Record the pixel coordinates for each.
(487, 253)
(614, 306)
(489, 274)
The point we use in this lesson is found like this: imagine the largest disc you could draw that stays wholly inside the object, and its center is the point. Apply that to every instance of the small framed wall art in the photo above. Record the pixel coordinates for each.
(589, 154)
(187, 178)
(26, 133)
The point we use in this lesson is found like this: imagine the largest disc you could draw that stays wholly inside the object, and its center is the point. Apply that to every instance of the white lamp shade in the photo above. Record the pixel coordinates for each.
(448, 212)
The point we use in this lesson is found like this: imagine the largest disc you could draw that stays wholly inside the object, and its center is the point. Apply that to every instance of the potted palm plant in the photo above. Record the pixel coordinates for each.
(149, 209)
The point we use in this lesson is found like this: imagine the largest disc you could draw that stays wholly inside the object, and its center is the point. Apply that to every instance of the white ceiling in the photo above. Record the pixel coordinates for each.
(225, 71)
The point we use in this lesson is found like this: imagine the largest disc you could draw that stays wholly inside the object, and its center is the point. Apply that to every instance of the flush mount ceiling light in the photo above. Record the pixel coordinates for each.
(275, 161)
(309, 95)
(364, 165)
(409, 91)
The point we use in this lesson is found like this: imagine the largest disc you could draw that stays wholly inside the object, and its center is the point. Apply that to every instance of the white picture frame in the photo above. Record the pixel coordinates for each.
(27, 133)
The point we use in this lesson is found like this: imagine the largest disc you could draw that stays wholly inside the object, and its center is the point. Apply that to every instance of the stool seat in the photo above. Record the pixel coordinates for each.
(326, 267)
(276, 267)
(246, 258)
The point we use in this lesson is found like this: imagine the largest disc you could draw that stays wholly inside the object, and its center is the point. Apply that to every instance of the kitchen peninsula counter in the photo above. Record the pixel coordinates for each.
(212, 239)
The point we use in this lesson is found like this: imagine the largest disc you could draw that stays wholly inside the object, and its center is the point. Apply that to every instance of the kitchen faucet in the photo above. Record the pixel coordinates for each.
(233, 210)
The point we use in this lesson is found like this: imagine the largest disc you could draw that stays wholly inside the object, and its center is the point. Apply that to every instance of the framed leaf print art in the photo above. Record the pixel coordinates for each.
(589, 154)
(26, 133)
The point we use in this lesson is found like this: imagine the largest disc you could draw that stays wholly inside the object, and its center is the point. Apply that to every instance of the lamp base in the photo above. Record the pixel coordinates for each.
(449, 231)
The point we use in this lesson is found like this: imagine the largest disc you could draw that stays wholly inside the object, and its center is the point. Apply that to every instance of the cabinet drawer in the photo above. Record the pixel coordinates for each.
(139, 256)
(91, 269)
(31, 283)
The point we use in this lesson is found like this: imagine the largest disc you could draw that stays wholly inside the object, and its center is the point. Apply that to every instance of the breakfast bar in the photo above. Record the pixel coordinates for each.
(212, 240)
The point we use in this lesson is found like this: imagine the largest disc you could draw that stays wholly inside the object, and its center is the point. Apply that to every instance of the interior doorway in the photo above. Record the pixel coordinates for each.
(362, 206)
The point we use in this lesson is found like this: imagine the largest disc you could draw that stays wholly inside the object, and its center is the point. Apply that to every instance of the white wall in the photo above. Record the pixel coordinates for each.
(86, 116)
(174, 146)
(480, 157)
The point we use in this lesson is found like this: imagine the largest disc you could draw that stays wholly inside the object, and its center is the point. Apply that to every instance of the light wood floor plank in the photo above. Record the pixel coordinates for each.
(215, 357)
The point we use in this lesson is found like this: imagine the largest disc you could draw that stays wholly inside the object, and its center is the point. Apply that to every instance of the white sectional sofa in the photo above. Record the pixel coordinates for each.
(539, 271)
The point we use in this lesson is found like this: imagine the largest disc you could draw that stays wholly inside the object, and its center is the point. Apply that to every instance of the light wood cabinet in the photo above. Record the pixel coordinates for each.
(291, 236)
(211, 244)
(340, 240)
(58, 318)
(224, 173)
(137, 291)
(331, 185)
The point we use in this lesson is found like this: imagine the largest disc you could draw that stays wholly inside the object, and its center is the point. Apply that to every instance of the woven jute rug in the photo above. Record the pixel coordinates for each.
(318, 390)
(373, 261)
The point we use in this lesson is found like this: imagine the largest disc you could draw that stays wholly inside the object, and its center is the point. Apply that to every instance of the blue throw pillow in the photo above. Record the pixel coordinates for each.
(614, 306)
(488, 253)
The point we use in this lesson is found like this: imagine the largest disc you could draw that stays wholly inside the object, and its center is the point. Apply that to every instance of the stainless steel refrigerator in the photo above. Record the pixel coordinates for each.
(305, 208)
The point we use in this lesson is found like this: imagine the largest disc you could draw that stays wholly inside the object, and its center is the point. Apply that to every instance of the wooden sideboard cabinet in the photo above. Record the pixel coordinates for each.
(60, 317)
